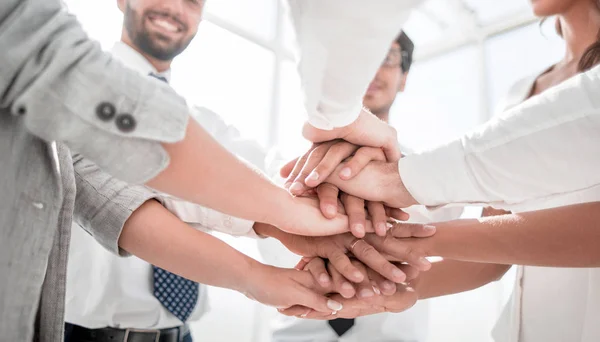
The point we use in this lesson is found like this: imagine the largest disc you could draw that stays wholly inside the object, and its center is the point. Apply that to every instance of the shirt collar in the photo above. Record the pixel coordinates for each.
(136, 61)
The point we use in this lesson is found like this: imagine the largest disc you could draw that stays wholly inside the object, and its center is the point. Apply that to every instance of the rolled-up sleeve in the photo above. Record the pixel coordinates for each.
(68, 90)
(104, 203)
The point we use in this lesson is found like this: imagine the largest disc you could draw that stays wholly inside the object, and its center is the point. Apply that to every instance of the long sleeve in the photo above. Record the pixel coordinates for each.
(548, 145)
(104, 203)
(342, 44)
(69, 90)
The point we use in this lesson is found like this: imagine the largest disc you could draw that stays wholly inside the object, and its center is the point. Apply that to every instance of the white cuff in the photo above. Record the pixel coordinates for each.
(327, 117)
(440, 176)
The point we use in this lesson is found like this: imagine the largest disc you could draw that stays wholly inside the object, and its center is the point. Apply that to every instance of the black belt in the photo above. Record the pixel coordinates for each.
(76, 333)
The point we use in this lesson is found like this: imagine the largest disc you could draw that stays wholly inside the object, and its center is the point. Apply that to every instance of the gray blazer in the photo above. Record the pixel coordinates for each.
(58, 86)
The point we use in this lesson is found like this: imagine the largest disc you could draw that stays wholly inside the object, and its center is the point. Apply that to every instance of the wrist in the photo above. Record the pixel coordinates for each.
(399, 196)
(246, 278)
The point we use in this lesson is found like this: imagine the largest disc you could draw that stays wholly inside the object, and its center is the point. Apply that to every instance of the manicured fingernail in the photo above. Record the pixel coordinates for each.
(324, 279)
(429, 228)
(359, 229)
(296, 187)
(347, 286)
(397, 274)
(314, 176)
(358, 276)
(331, 210)
(366, 293)
(388, 284)
(333, 305)
(346, 173)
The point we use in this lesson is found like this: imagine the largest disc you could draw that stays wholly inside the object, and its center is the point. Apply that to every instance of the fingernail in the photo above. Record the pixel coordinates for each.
(388, 284)
(324, 279)
(333, 305)
(287, 185)
(346, 173)
(296, 187)
(331, 210)
(359, 229)
(375, 288)
(347, 286)
(397, 274)
(389, 225)
(366, 293)
(429, 228)
(305, 314)
(382, 228)
(424, 262)
(357, 275)
(314, 176)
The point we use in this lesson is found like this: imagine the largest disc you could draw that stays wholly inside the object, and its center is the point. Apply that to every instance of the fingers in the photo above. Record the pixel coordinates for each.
(317, 302)
(380, 284)
(317, 172)
(411, 272)
(340, 284)
(317, 268)
(302, 263)
(396, 213)
(361, 158)
(405, 230)
(355, 209)
(365, 289)
(341, 262)
(378, 217)
(400, 249)
(372, 258)
(295, 171)
(328, 199)
(288, 167)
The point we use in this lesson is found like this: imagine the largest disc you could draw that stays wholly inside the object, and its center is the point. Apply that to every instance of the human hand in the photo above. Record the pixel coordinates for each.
(336, 249)
(354, 207)
(327, 275)
(366, 130)
(379, 182)
(283, 288)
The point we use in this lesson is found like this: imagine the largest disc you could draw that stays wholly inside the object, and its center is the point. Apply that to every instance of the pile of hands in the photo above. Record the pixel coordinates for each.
(359, 257)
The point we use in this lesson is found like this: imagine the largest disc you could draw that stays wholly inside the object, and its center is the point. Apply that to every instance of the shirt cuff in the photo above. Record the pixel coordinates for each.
(327, 117)
(440, 176)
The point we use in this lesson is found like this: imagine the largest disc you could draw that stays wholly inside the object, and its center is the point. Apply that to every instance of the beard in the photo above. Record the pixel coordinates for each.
(153, 44)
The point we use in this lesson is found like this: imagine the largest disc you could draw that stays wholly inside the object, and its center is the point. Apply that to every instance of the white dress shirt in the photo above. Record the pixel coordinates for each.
(551, 304)
(408, 326)
(342, 44)
(106, 290)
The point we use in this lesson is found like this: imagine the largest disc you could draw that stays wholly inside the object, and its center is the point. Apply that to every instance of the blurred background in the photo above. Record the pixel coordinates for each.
(242, 65)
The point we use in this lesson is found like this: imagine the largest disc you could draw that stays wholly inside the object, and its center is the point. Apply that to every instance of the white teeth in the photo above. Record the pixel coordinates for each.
(165, 25)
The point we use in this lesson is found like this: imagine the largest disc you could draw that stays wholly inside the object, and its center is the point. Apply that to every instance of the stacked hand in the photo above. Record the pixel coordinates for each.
(351, 174)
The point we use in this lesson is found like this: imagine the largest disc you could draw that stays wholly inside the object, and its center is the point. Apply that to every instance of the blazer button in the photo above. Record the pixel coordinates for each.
(125, 123)
(106, 111)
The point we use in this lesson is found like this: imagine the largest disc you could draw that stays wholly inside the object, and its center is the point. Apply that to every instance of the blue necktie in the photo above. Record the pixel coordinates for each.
(175, 293)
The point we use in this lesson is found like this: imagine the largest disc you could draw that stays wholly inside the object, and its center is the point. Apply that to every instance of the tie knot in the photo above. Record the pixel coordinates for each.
(158, 77)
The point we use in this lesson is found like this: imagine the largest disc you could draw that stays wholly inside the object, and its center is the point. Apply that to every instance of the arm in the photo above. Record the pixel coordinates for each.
(526, 153)
(336, 37)
(559, 237)
(68, 90)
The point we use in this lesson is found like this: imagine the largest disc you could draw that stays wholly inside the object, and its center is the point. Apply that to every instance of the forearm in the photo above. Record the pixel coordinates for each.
(559, 237)
(203, 172)
(155, 235)
(450, 276)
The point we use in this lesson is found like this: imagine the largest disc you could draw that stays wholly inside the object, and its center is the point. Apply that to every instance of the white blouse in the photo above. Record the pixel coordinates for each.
(551, 304)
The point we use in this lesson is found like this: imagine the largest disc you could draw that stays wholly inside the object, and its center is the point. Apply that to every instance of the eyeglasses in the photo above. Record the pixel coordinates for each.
(394, 58)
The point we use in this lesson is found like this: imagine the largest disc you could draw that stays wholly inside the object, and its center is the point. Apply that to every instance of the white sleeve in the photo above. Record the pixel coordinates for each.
(548, 145)
(342, 44)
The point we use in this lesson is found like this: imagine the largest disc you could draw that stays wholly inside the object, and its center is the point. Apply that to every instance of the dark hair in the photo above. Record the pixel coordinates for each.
(591, 56)
(407, 47)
